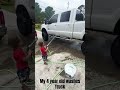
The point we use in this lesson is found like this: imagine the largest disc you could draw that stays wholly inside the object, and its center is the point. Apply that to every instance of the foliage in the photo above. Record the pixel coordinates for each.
(49, 12)
(40, 15)
(8, 5)
(37, 12)
(37, 26)
(82, 8)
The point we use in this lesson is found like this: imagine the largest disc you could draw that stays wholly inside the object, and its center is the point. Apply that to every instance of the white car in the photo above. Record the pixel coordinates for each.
(104, 16)
(70, 24)
(25, 11)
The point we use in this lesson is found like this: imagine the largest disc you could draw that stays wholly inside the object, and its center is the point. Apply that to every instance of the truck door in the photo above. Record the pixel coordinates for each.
(52, 24)
(64, 27)
(104, 14)
(79, 25)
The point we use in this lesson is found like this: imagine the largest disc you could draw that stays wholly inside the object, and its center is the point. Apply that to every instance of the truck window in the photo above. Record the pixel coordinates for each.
(65, 16)
(54, 19)
(79, 16)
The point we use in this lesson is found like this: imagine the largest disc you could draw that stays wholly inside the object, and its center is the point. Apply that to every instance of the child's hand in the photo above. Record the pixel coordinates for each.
(46, 46)
(29, 52)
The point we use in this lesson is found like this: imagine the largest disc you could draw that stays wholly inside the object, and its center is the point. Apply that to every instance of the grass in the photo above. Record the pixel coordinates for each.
(37, 27)
(9, 6)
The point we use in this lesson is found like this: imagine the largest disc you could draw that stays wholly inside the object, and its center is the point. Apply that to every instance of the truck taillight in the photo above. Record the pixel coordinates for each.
(2, 21)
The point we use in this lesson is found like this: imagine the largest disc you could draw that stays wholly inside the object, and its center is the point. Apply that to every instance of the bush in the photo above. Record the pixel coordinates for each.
(37, 26)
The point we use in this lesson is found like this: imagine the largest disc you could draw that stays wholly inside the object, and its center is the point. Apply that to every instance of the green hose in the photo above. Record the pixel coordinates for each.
(15, 75)
(49, 62)
(102, 85)
(15, 86)
(8, 71)
(54, 78)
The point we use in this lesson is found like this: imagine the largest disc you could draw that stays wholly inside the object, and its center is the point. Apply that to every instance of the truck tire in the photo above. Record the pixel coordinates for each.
(115, 51)
(83, 49)
(45, 35)
(24, 22)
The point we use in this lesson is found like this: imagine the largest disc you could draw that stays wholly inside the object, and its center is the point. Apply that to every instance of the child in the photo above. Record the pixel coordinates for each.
(21, 59)
(43, 50)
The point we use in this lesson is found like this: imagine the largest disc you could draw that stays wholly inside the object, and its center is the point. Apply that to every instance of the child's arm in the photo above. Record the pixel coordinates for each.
(28, 56)
(46, 48)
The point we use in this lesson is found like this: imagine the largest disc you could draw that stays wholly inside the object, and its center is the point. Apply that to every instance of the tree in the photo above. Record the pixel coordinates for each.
(82, 8)
(49, 12)
(37, 12)
(42, 17)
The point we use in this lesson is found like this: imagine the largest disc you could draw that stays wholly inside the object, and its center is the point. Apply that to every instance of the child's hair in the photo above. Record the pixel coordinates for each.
(15, 42)
(40, 44)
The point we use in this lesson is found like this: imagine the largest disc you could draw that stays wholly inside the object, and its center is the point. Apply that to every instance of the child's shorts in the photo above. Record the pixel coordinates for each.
(44, 58)
(23, 74)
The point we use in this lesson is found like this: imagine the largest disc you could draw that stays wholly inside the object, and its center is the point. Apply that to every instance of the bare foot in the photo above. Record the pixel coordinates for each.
(24, 87)
(45, 63)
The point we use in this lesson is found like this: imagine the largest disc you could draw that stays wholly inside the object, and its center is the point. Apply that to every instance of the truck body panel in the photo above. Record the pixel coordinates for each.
(102, 15)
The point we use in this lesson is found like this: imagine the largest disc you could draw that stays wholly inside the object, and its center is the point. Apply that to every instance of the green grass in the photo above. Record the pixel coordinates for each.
(37, 27)
(8, 6)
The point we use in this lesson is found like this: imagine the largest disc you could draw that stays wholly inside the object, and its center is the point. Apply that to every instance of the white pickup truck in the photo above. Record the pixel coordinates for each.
(70, 24)
(25, 11)
(104, 16)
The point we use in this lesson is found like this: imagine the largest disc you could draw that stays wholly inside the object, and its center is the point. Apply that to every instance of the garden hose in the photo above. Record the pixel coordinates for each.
(15, 86)
(16, 76)
(76, 63)
(54, 78)
(102, 85)
(8, 71)
(51, 40)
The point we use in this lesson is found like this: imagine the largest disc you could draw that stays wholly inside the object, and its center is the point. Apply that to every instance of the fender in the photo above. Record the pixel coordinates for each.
(44, 26)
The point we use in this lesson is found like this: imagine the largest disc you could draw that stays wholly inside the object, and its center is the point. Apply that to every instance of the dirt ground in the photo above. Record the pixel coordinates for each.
(60, 53)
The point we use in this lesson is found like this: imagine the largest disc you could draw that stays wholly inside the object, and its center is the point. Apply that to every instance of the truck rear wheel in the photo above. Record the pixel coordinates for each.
(83, 48)
(24, 22)
(115, 51)
(45, 35)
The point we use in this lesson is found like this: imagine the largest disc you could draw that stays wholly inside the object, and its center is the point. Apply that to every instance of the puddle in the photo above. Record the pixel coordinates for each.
(76, 45)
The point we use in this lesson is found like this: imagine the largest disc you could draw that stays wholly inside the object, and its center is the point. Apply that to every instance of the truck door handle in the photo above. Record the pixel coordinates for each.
(55, 25)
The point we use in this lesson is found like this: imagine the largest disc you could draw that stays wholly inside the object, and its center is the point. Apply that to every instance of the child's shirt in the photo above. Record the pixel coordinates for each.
(18, 55)
(43, 51)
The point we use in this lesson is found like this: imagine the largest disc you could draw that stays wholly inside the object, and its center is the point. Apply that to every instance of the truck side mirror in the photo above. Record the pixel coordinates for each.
(49, 22)
(46, 21)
